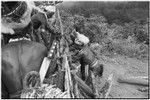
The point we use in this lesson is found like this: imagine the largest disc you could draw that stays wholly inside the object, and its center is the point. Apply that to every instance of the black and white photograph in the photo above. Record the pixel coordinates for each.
(74, 49)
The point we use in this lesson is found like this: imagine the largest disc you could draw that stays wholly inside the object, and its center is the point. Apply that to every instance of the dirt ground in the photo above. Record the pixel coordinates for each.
(120, 65)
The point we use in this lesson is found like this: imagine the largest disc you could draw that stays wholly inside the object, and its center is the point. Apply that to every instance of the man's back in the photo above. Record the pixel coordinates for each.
(19, 58)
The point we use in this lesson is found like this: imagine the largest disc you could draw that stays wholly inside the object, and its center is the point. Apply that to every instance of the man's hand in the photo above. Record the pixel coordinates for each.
(98, 70)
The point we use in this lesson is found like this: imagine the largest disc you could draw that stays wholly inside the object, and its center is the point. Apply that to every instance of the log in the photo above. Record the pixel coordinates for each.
(135, 81)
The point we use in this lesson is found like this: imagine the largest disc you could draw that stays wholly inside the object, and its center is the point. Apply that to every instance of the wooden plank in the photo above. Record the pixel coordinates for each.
(44, 68)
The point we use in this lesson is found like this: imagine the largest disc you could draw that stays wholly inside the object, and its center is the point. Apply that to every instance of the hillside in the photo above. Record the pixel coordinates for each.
(121, 31)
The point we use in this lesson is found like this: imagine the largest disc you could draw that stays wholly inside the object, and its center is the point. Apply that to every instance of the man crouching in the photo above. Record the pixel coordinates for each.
(85, 55)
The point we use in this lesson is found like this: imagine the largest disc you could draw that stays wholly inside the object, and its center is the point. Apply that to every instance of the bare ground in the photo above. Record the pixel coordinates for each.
(127, 67)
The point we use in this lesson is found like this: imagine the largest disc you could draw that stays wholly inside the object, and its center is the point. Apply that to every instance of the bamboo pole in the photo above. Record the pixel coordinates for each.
(68, 81)
(67, 87)
(60, 22)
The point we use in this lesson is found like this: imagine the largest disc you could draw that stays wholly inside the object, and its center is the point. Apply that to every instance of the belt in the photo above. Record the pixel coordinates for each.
(94, 63)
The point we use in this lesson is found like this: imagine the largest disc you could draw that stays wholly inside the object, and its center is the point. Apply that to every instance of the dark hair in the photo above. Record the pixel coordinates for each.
(13, 9)
(9, 6)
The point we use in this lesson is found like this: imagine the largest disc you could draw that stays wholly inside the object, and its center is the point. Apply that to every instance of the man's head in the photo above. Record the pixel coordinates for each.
(13, 9)
(15, 15)
(80, 39)
(50, 11)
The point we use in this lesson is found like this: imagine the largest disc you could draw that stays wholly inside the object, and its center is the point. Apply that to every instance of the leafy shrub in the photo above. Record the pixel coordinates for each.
(96, 32)
(127, 48)
(125, 39)
(141, 35)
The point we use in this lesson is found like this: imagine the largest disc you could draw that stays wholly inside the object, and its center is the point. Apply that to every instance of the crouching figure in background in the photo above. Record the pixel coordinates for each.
(85, 55)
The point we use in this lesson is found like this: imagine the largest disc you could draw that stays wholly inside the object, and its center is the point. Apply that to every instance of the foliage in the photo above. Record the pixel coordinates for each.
(44, 91)
(112, 25)
(114, 12)
(128, 49)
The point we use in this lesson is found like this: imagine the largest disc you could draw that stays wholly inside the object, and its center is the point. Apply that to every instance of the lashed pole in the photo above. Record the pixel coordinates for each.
(47, 60)
(68, 80)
